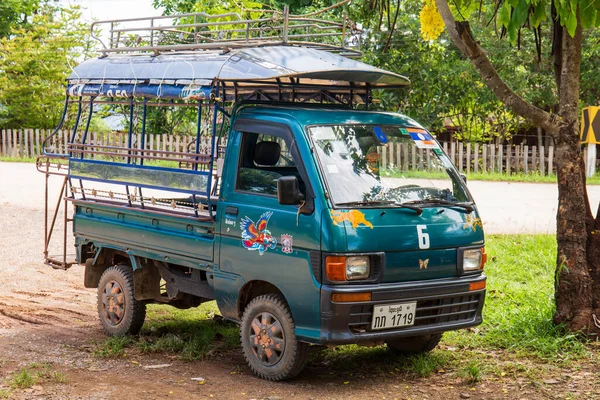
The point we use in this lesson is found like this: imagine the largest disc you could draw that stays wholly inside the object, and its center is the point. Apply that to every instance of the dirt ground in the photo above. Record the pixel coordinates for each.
(46, 316)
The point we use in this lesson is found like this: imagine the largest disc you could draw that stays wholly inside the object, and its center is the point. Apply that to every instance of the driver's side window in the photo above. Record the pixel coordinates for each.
(263, 160)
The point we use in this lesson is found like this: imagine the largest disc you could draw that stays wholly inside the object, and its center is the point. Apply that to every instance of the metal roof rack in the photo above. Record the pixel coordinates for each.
(201, 31)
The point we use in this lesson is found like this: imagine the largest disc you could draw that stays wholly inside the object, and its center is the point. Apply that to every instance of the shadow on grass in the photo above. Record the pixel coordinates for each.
(199, 334)
(189, 334)
(352, 360)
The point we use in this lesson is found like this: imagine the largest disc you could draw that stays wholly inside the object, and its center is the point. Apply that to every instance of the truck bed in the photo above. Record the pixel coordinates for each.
(183, 240)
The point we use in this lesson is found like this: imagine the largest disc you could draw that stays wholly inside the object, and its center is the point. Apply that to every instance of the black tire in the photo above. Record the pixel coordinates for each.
(269, 340)
(414, 344)
(120, 313)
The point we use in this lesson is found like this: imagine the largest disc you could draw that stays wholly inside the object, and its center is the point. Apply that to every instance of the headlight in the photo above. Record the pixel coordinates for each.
(473, 259)
(357, 268)
(341, 268)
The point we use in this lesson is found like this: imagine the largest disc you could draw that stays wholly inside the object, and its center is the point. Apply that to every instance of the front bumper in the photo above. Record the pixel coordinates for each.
(442, 305)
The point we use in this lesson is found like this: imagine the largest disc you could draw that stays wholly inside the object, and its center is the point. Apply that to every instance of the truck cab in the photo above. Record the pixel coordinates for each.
(360, 255)
(310, 218)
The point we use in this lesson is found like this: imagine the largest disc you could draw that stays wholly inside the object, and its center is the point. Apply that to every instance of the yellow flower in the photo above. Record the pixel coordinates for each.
(432, 24)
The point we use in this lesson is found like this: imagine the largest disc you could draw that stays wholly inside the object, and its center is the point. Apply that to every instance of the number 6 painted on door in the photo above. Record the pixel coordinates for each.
(423, 237)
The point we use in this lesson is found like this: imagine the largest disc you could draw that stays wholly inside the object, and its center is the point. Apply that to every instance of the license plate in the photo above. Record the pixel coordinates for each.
(393, 315)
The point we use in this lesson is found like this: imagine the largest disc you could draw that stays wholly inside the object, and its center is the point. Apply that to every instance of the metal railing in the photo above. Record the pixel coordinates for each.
(56, 165)
(202, 31)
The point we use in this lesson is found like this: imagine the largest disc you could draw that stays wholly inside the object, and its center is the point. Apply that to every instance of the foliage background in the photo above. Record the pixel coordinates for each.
(40, 41)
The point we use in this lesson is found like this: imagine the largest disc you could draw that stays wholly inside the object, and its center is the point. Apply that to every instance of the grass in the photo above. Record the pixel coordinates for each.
(533, 177)
(471, 373)
(24, 379)
(17, 159)
(517, 337)
(112, 347)
(190, 334)
(33, 373)
(520, 304)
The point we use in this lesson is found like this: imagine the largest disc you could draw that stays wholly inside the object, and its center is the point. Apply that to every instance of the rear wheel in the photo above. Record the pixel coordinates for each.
(414, 344)
(269, 341)
(120, 313)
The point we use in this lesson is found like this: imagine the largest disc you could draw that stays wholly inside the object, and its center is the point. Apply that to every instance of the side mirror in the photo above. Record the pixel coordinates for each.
(464, 177)
(288, 191)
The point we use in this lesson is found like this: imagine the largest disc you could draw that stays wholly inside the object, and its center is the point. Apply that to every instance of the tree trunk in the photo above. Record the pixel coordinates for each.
(573, 283)
(577, 278)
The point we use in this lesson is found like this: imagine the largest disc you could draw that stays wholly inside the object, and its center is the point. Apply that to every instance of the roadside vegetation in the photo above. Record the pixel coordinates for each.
(29, 376)
(480, 176)
(517, 337)
(17, 159)
(490, 176)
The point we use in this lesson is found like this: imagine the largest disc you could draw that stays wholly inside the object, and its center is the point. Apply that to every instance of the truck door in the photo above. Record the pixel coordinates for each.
(262, 240)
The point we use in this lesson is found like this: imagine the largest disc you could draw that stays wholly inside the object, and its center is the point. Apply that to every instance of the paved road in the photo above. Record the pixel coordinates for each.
(505, 207)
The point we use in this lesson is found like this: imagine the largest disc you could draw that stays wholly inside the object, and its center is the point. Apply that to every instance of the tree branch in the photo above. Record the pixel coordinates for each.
(461, 35)
(393, 28)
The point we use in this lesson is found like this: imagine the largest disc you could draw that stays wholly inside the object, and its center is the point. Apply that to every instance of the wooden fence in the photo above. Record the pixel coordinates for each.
(475, 157)
(22, 143)
(468, 157)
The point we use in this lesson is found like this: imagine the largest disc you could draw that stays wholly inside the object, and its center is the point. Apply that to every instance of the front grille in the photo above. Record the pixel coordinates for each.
(430, 312)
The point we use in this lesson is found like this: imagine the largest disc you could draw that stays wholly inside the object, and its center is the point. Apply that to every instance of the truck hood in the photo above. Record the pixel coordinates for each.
(416, 247)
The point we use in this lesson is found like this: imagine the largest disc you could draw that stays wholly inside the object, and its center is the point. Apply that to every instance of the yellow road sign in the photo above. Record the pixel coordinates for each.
(590, 125)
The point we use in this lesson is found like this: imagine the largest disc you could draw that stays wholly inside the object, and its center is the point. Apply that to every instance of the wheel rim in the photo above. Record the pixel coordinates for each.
(267, 338)
(113, 303)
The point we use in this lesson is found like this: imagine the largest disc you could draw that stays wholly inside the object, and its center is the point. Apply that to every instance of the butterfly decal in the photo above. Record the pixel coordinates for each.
(423, 264)
(256, 236)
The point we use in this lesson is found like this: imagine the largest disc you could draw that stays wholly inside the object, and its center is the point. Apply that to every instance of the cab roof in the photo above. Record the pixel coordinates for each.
(306, 116)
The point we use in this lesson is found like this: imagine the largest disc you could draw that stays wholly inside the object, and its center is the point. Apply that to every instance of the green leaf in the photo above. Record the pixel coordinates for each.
(512, 30)
(588, 13)
(520, 14)
(539, 14)
(504, 14)
(571, 24)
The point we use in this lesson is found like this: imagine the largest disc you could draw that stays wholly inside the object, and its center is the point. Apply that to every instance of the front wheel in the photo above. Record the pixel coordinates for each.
(269, 341)
(120, 313)
(414, 344)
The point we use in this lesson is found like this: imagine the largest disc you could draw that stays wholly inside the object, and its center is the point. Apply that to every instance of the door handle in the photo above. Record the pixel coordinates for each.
(231, 210)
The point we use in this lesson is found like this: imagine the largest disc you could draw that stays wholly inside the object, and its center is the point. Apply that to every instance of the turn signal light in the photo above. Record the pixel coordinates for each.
(483, 257)
(350, 297)
(335, 268)
(476, 286)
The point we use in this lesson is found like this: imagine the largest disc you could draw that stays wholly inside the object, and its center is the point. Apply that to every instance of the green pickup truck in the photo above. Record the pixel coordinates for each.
(295, 220)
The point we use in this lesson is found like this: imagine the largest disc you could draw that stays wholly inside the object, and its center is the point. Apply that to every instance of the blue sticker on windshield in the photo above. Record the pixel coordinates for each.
(380, 135)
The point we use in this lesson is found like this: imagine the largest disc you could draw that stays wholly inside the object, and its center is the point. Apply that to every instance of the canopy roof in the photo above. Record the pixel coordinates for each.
(259, 64)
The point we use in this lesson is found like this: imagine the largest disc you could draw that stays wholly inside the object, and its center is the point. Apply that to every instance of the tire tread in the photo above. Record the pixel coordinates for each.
(138, 308)
(300, 351)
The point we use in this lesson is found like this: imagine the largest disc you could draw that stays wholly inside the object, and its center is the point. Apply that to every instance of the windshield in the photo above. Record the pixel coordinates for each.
(370, 164)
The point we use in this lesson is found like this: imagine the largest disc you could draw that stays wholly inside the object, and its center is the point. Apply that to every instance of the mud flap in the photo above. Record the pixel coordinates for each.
(146, 283)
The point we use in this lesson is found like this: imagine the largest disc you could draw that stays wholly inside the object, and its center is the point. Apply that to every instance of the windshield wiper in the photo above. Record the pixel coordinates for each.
(434, 202)
(416, 209)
